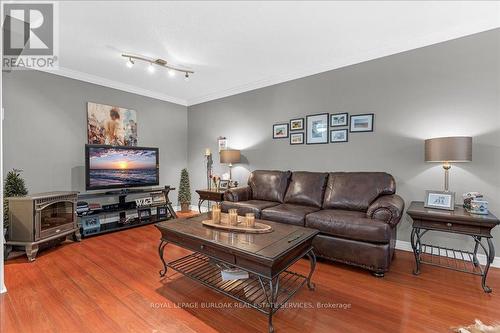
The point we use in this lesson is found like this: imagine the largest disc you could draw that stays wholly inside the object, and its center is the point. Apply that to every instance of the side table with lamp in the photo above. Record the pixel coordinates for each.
(227, 156)
(439, 213)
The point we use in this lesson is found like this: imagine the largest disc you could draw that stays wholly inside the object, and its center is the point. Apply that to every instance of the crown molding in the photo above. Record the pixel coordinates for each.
(384, 51)
(81, 76)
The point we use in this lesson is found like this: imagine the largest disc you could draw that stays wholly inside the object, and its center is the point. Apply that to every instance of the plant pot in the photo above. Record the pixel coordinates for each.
(185, 207)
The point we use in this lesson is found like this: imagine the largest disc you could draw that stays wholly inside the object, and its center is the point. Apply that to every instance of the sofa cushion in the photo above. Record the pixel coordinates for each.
(306, 188)
(269, 185)
(250, 206)
(350, 225)
(356, 190)
(288, 213)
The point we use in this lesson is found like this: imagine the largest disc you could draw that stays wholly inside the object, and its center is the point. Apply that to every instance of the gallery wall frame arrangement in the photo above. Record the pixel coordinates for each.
(317, 128)
(339, 135)
(111, 125)
(297, 138)
(280, 131)
(297, 124)
(339, 119)
(361, 123)
(324, 128)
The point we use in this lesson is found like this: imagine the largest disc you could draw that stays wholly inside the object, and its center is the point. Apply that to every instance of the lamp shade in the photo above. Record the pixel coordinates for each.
(230, 156)
(449, 149)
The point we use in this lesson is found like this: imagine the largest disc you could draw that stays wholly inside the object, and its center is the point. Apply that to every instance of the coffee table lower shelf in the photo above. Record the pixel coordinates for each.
(261, 293)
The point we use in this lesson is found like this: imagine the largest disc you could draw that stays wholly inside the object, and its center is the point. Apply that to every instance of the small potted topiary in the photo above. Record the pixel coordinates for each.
(184, 195)
(14, 186)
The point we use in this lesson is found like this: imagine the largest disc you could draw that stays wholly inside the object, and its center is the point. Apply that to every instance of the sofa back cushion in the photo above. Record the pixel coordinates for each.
(356, 190)
(269, 185)
(306, 188)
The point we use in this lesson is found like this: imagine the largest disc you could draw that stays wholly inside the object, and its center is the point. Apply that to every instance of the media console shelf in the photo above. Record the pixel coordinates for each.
(90, 221)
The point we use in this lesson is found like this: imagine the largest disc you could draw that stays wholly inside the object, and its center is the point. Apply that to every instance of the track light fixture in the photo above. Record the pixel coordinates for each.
(159, 62)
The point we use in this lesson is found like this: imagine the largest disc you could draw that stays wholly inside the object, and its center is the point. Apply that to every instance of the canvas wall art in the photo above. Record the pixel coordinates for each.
(111, 125)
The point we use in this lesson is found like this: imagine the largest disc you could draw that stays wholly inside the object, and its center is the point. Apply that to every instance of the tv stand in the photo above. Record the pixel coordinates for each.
(123, 207)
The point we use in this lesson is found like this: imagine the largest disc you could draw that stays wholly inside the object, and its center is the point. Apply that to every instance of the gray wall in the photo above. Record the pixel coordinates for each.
(45, 129)
(451, 88)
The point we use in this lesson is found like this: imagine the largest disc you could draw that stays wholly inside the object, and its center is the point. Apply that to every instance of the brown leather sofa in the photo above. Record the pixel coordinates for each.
(356, 212)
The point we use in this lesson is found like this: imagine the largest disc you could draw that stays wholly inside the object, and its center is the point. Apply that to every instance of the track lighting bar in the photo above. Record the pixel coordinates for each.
(160, 62)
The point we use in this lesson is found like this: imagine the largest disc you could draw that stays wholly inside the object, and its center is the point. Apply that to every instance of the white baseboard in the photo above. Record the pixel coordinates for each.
(406, 246)
(3, 289)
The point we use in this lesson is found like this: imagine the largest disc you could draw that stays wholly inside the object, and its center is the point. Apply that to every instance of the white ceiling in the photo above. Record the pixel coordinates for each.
(239, 46)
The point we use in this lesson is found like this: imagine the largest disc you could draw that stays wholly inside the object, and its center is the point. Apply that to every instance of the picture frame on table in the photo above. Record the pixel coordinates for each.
(280, 131)
(224, 184)
(339, 119)
(317, 128)
(297, 138)
(161, 212)
(297, 124)
(440, 200)
(338, 136)
(361, 123)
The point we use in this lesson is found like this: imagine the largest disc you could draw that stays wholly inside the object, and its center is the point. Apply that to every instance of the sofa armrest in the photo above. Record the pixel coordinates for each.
(387, 208)
(238, 194)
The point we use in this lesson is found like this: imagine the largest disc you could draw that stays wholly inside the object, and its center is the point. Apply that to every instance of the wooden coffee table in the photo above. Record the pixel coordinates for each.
(266, 257)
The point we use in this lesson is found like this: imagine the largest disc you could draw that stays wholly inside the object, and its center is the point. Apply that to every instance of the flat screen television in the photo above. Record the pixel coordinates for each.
(111, 167)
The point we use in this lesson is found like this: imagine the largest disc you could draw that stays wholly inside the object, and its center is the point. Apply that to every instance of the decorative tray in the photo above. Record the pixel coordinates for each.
(259, 228)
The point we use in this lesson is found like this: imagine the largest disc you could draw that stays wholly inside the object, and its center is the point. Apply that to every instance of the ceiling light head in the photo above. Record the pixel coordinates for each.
(151, 68)
(186, 76)
(171, 72)
(130, 63)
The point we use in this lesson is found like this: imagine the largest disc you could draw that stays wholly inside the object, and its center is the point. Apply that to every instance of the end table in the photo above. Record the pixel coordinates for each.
(458, 221)
(209, 195)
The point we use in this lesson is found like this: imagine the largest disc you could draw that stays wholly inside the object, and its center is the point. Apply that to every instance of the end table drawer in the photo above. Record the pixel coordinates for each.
(450, 226)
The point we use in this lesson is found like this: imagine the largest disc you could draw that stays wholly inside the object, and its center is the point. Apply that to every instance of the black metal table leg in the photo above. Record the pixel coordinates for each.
(161, 247)
(312, 260)
(414, 246)
(273, 296)
(200, 202)
(490, 256)
(476, 246)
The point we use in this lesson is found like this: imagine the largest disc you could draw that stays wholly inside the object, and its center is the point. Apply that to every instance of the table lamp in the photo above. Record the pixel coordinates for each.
(230, 156)
(448, 150)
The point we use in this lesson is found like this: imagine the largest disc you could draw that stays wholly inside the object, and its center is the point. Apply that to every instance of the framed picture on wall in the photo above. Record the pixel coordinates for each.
(338, 136)
(339, 119)
(280, 131)
(111, 125)
(297, 138)
(362, 123)
(317, 128)
(222, 143)
(297, 124)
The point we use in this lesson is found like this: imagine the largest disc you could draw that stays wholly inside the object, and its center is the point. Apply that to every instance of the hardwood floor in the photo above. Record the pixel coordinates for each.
(110, 283)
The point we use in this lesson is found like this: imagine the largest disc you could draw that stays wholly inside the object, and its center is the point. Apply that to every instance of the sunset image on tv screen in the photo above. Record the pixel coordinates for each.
(111, 167)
